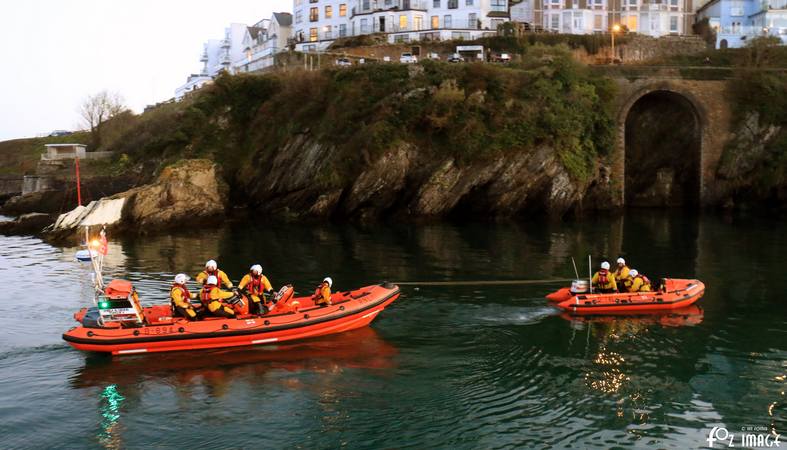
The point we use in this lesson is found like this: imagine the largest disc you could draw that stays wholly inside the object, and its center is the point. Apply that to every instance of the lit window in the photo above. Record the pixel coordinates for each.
(328, 11)
(435, 22)
(312, 34)
(314, 14)
(343, 10)
(402, 22)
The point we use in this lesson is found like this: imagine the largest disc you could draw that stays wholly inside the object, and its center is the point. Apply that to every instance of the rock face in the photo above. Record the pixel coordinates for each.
(186, 192)
(302, 180)
(31, 223)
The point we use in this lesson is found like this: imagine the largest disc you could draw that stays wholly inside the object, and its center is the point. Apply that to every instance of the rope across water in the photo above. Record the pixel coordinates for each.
(482, 282)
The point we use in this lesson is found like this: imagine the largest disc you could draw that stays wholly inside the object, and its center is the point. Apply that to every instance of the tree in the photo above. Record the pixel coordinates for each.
(97, 109)
(762, 51)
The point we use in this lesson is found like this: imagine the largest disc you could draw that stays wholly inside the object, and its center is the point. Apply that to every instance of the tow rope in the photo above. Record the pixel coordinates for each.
(482, 282)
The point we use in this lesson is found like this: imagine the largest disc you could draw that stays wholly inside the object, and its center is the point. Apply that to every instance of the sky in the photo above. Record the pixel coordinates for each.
(55, 53)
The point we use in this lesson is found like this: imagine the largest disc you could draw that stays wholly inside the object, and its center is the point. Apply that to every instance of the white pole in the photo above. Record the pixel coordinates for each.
(590, 273)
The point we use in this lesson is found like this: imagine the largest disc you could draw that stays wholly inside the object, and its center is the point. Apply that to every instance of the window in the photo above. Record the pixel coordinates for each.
(499, 5)
(327, 33)
(468, 2)
(435, 3)
(472, 20)
(673, 24)
(298, 16)
(435, 22)
(402, 22)
(364, 26)
(418, 23)
(342, 29)
(598, 22)
(298, 3)
(401, 38)
(314, 14)
(674, 5)
(460, 35)
(447, 21)
(453, 4)
(328, 11)
(312, 34)
(365, 5)
(313, 1)
(343, 10)
(555, 18)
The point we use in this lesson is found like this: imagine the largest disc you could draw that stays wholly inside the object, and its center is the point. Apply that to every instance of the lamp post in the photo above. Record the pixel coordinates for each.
(615, 29)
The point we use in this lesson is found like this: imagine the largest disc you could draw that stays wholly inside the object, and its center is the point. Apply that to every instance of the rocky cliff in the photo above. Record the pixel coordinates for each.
(188, 192)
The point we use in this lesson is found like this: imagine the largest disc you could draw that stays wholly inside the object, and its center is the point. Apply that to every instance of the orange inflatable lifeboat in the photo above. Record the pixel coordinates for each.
(673, 294)
(121, 326)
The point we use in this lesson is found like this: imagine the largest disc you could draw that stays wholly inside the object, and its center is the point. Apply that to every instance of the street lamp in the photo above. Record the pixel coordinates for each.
(615, 29)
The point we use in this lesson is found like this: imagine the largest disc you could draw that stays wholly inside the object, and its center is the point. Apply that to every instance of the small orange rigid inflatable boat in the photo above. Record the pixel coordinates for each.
(154, 329)
(674, 294)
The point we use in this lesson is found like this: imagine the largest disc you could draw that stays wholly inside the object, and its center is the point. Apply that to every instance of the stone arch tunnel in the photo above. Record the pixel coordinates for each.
(671, 134)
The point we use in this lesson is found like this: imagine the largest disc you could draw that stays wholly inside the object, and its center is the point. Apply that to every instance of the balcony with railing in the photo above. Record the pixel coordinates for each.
(370, 6)
(225, 43)
(204, 56)
(225, 58)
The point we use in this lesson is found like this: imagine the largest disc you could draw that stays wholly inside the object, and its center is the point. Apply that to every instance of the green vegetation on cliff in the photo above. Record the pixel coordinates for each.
(470, 111)
(20, 156)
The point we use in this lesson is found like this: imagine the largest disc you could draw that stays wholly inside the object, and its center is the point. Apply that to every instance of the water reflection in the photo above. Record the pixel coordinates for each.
(109, 436)
(215, 370)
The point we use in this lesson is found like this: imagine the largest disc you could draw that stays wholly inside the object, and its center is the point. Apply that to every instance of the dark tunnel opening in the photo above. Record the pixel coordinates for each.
(663, 143)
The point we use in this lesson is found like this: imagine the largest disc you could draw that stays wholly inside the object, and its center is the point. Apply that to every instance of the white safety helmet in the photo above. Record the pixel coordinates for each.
(181, 278)
(605, 265)
(621, 261)
(211, 265)
(213, 280)
(329, 280)
(633, 272)
(256, 269)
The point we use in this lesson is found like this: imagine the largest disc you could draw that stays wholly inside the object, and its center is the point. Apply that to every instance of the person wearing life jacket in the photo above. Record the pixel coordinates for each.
(322, 295)
(179, 296)
(213, 298)
(640, 283)
(211, 268)
(254, 284)
(621, 271)
(603, 281)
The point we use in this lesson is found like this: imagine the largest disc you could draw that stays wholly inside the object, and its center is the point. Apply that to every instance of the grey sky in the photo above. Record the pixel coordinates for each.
(55, 53)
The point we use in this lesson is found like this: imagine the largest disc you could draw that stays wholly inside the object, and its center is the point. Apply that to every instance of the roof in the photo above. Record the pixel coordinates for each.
(706, 5)
(65, 145)
(254, 31)
(283, 18)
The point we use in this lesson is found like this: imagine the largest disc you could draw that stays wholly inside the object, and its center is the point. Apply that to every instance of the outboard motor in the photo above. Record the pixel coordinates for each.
(580, 286)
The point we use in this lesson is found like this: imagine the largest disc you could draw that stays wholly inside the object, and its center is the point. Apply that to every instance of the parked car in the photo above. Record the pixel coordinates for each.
(343, 62)
(456, 58)
(503, 58)
(433, 56)
(408, 58)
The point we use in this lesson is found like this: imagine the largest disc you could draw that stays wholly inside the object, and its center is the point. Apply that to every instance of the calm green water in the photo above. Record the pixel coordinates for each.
(457, 367)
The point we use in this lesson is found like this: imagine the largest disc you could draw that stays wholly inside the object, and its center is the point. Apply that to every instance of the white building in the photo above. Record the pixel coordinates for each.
(217, 55)
(263, 41)
(649, 17)
(316, 23)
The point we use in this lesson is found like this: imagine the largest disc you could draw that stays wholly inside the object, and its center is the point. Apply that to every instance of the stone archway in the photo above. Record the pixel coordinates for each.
(662, 143)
